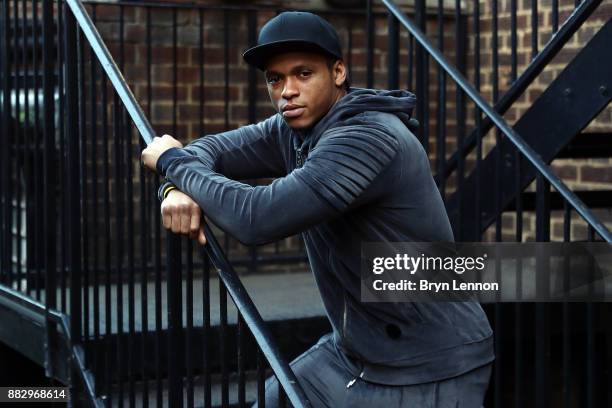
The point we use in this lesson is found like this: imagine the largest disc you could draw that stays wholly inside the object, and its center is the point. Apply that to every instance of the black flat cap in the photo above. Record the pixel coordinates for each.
(295, 31)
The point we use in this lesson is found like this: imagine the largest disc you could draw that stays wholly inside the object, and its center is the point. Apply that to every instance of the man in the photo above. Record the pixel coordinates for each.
(348, 171)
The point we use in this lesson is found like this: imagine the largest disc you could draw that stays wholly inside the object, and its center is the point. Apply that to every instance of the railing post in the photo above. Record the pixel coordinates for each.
(49, 177)
(4, 134)
(175, 320)
(73, 186)
(542, 318)
(73, 202)
(370, 28)
(393, 52)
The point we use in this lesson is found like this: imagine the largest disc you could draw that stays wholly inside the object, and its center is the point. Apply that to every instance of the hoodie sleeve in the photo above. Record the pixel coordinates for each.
(345, 163)
(248, 152)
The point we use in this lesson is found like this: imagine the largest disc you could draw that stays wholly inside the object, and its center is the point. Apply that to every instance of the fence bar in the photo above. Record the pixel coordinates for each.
(591, 376)
(206, 381)
(421, 89)
(261, 380)
(282, 398)
(513, 42)
(534, 28)
(441, 120)
(22, 163)
(567, 320)
(118, 131)
(252, 88)
(477, 123)
(107, 240)
(174, 277)
(499, 317)
(392, 52)
(38, 246)
(590, 356)
(49, 164)
(223, 345)
(130, 261)
(349, 47)
(241, 334)
(499, 154)
(189, 335)
(519, 401)
(555, 16)
(410, 62)
(542, 345)
(72, 204)
(175, 320)
(83, 187)
(93, 130)
(460, 110)
(15, 156)
(62, 155)
(157, 242)
(173, 252)
(5, 258)
(370, 25)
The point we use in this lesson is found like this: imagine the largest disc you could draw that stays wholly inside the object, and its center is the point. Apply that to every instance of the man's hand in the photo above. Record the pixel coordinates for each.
(156, 148)
(182, 215)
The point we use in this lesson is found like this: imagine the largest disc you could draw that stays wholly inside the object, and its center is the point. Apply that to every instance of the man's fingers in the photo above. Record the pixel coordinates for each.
(201, 236)
(185, 217)
(176, 222)
(166, 218)
(195, 220)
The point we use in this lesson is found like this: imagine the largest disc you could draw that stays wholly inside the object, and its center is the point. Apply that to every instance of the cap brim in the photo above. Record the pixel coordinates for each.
(259, 55)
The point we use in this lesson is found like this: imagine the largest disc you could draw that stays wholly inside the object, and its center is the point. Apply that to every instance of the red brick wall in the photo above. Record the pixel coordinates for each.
(579, 174)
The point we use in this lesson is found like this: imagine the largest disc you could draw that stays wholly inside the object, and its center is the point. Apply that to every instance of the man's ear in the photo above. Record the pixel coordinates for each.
(339, 73)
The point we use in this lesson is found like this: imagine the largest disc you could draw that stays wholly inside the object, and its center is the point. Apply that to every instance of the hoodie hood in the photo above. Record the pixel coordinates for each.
(358, 100)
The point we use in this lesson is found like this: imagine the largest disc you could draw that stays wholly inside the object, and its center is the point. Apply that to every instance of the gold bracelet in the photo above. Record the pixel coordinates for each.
(167, 190)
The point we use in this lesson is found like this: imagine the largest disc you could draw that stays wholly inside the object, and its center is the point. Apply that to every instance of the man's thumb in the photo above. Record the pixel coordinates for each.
(201, 236)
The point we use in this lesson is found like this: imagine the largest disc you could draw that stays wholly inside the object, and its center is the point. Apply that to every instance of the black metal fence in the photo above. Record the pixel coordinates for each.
(546, 355)
(81, 230)
(80, 219)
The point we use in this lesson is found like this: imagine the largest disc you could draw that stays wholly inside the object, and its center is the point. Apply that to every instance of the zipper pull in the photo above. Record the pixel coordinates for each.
(300, 159)
(350, 383)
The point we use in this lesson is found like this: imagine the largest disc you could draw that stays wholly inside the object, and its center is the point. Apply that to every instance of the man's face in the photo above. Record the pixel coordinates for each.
(302, 87)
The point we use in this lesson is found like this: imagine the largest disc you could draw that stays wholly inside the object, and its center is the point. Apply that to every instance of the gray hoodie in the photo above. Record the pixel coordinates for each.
(359, 175)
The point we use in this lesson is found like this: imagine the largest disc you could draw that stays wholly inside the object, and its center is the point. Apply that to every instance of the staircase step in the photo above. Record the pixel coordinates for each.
(592, 199)
(278, 297)
(198, 392)
(289, 303)
(588, 146)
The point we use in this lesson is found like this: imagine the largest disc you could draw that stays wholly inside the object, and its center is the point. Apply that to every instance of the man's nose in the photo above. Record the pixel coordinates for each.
(291, 89)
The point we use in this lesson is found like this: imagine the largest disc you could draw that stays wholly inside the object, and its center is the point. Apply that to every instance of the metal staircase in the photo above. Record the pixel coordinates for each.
(139, 321)
(552, 125)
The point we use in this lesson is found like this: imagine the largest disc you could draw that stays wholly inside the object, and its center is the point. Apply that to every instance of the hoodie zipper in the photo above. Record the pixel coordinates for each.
(354, 380)
(300, 158)
(344, 313)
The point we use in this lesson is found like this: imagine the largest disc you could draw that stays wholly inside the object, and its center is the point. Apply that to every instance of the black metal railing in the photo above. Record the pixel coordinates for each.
(527, 341)
(546, 177)
(68, 120)
(86, 241)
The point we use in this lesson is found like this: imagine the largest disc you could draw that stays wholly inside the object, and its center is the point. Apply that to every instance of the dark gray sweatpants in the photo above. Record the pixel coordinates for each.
(324, 378)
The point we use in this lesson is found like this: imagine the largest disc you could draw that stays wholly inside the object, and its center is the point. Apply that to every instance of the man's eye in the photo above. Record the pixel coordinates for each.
(272, 80)
(305, 74)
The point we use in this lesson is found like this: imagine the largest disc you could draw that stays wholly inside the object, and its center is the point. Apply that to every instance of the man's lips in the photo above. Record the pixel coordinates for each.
(292, 111)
